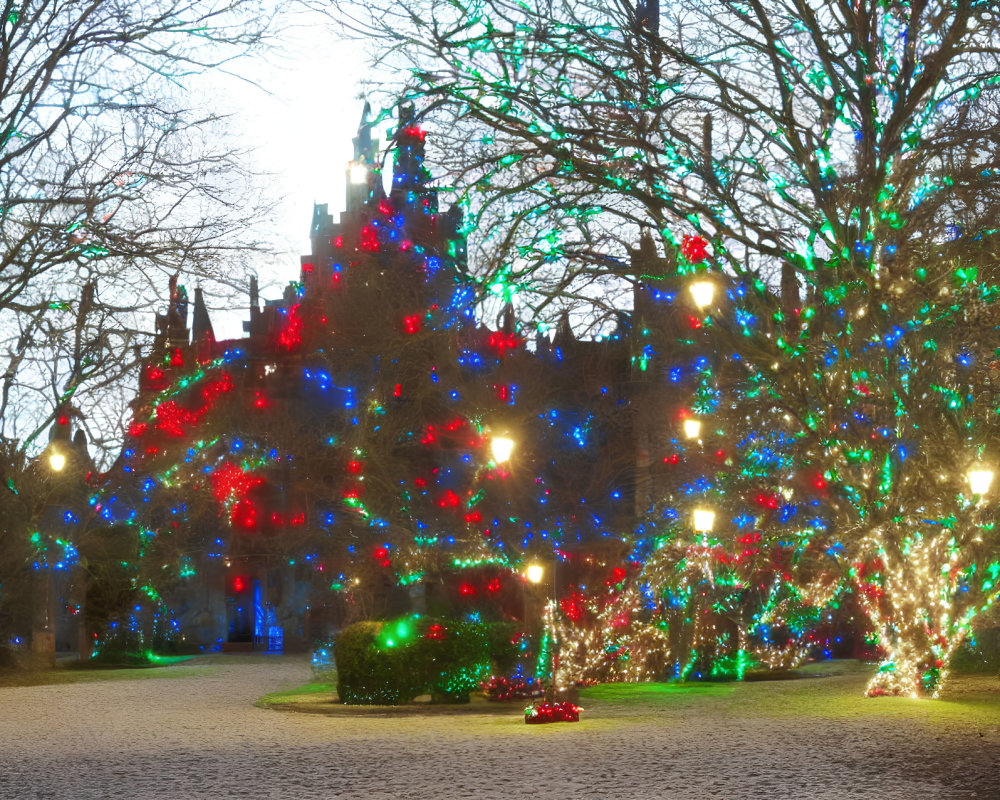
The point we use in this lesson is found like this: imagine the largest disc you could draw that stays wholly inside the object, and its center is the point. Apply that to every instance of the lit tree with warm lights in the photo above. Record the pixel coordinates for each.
(839, 160)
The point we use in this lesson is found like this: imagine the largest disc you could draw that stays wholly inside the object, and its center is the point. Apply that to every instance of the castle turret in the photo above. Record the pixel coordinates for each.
(201, 324)
(171, 328)
(410, 177)
(363, 177)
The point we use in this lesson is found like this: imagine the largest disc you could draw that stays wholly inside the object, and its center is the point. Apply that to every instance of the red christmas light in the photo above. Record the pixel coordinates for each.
(502, 342)
(230, 482)
(766, 500)
(574, 605)
(244, 515)
(693, 248)
(368, 241)
(171, 418)
(552, 712)
(435, 631)
(291, 335)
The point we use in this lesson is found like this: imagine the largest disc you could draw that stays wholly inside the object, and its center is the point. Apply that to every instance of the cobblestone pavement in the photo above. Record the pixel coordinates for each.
(194, 733)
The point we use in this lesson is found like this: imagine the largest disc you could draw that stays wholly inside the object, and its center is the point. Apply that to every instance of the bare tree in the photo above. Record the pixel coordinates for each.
(111, 179)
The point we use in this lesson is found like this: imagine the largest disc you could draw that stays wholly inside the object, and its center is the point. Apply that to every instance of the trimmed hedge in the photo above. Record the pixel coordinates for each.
(392, 662)
(368, 674)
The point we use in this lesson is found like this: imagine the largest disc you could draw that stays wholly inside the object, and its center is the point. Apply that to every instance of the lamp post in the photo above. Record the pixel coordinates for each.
(57, 460)
(43, 638)
(692, 428)
(980, 479)
(358, 172)
(501, 447)
(535, 573)
(703, 520)
(702, 292)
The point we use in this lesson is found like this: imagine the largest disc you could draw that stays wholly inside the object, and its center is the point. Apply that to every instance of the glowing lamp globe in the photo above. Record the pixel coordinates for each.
(57, 461)
(702, 292)
(704, 520)
(359, 172)
(980, 480)
(501, 447)
(534, 573)
(692, 428)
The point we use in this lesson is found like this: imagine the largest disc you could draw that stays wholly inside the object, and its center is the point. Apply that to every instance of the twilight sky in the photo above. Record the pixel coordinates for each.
(300, 128)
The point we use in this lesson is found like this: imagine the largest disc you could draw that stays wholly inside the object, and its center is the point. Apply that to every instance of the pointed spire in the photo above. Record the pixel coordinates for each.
(364, 145)
(252, 324)
(60, 429)
(647, 248)
(201, 324)
(507, 318)
(363, 183)
(409, 175)
(171, 328)
(564, 333)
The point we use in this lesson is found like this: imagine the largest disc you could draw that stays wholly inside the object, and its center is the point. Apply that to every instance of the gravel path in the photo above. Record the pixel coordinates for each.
(194, 733)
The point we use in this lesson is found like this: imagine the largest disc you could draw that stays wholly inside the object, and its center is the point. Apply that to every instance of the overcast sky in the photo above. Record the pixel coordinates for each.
(301, 128)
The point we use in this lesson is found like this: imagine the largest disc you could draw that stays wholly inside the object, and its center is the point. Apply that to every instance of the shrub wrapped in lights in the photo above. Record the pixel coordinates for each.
(565, 711)
(392, 662)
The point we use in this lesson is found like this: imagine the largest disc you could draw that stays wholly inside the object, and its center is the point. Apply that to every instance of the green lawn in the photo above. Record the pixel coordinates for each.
(83, 672)
(826, 690)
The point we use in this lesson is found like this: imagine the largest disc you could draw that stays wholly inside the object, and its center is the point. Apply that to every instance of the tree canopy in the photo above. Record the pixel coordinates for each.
(111, 179)
(837, 163)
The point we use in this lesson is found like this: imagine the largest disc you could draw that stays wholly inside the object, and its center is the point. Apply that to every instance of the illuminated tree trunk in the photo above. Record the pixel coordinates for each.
(919, 603)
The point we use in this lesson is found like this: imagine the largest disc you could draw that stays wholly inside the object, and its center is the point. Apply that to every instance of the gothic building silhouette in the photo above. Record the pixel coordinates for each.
(335, 462)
